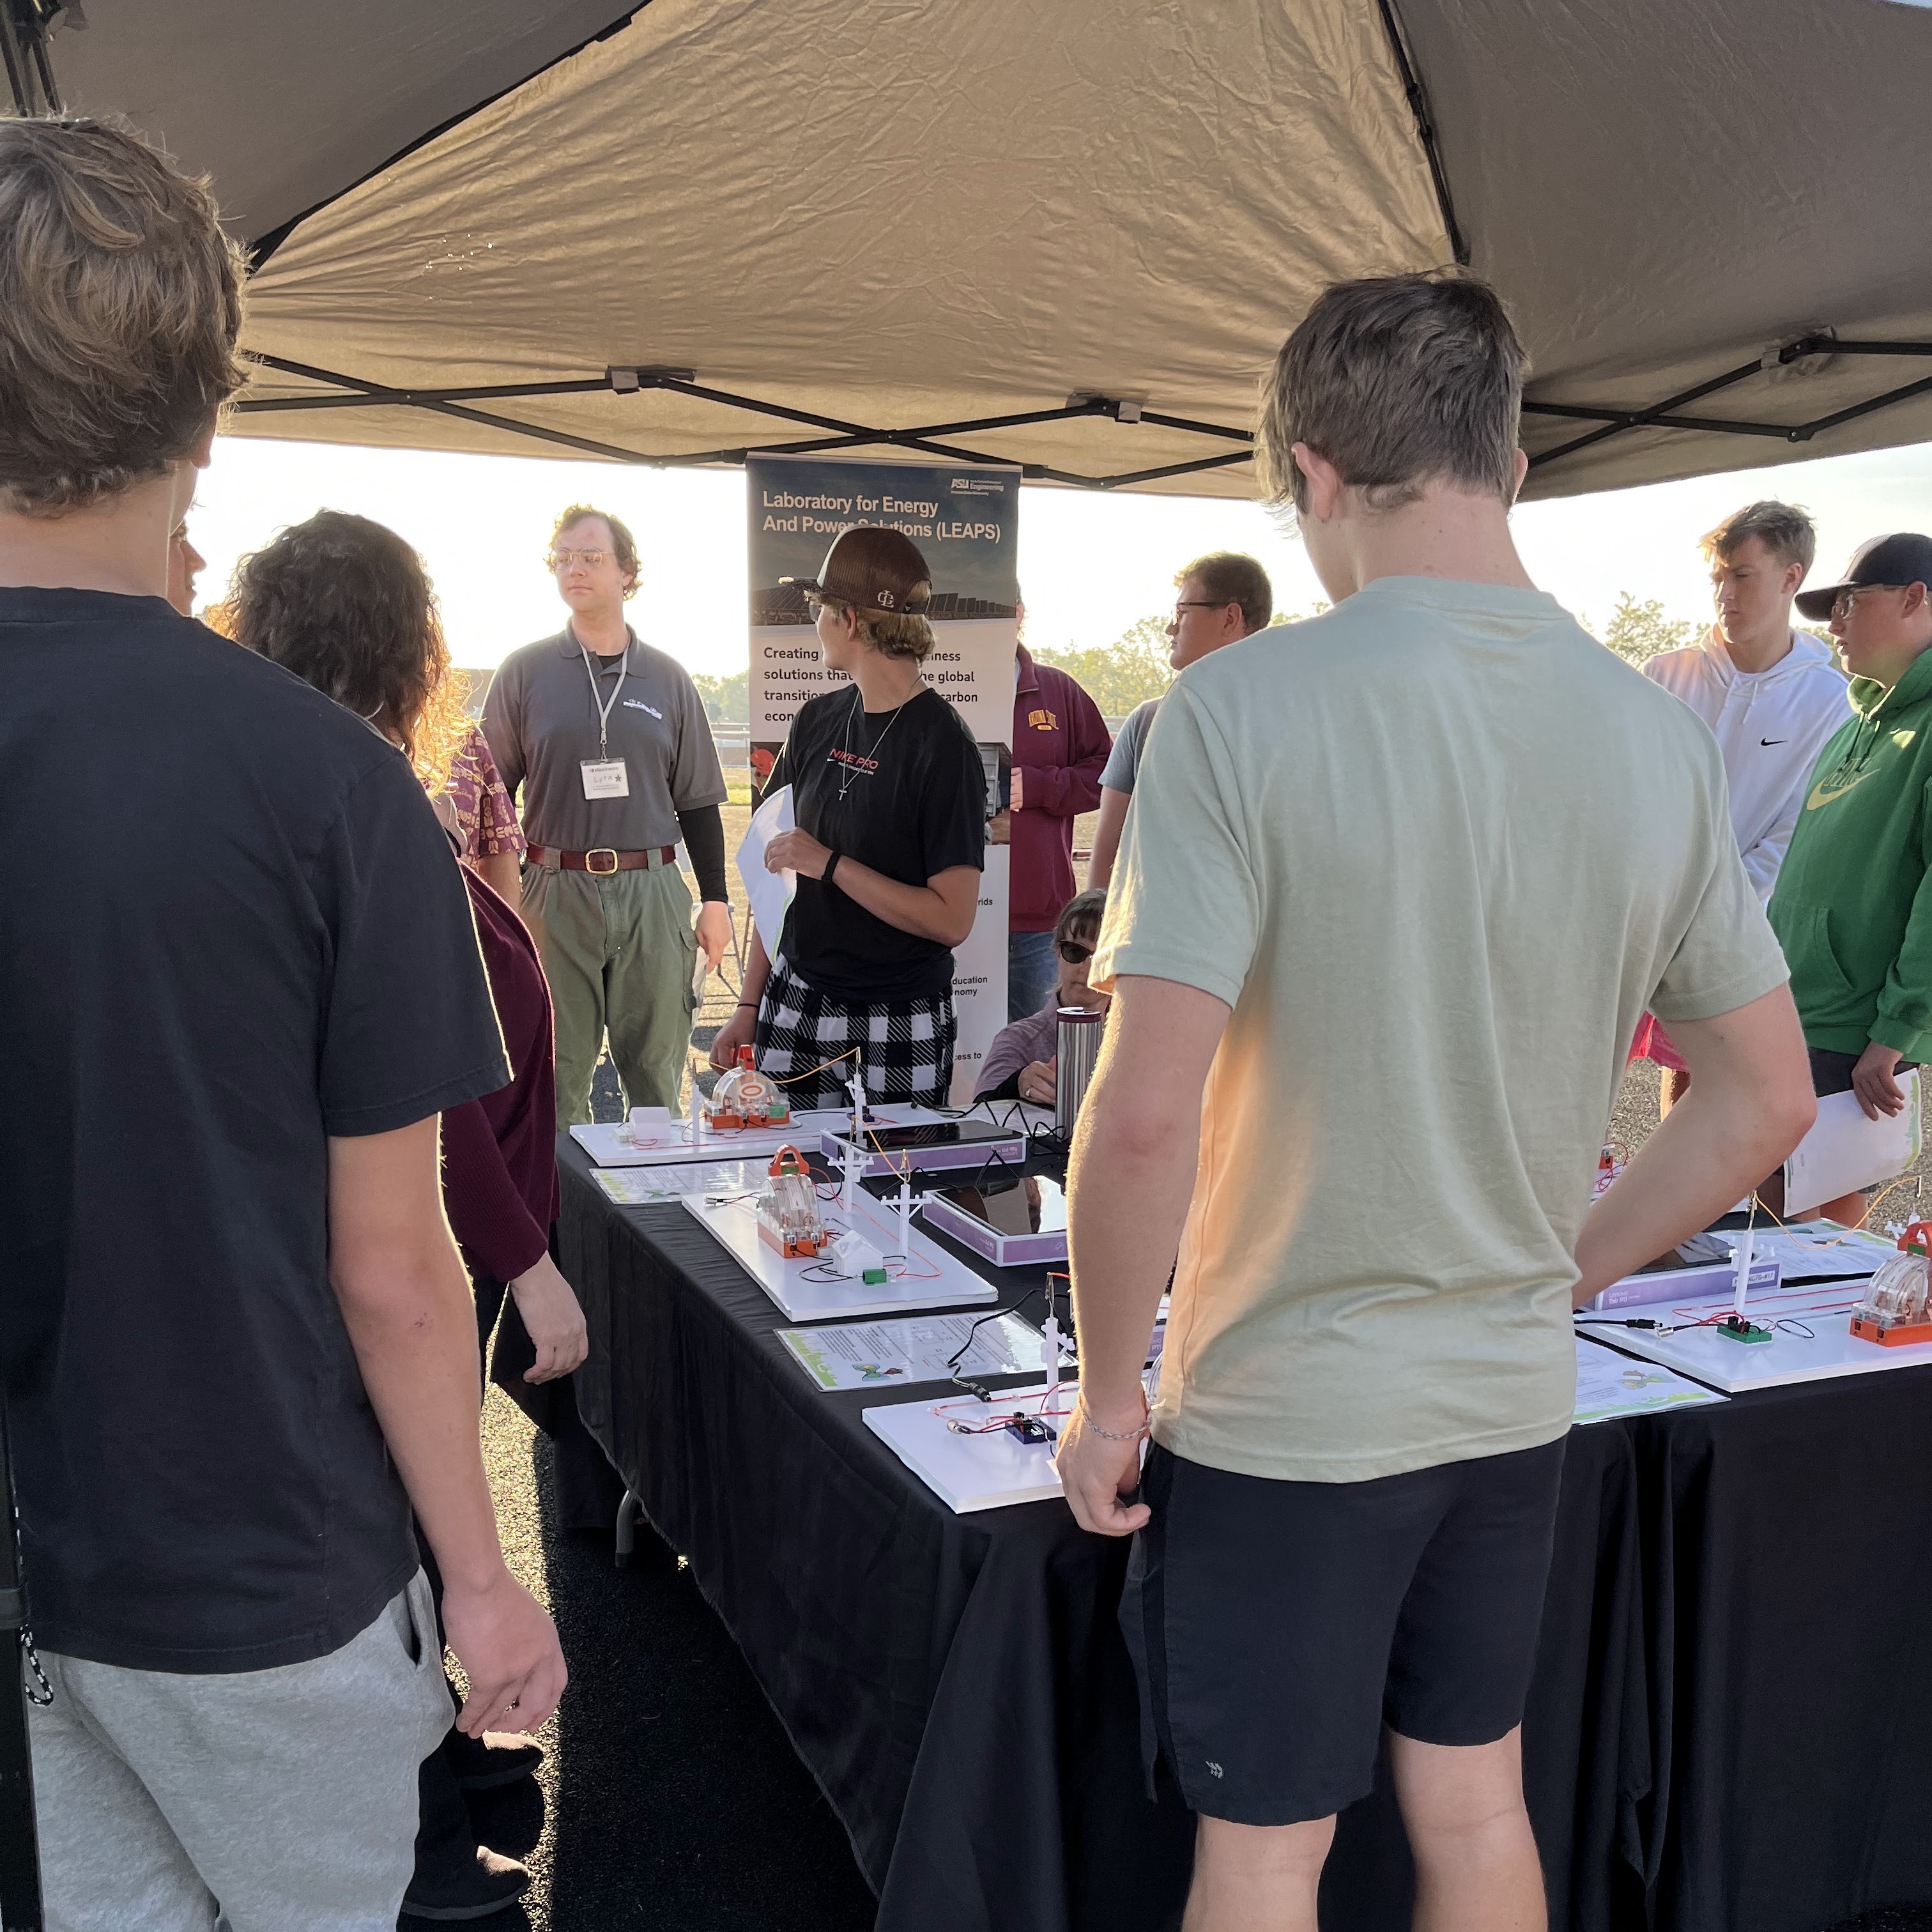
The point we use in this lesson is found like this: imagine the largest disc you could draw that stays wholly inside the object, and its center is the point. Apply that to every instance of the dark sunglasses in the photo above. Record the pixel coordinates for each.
(1072, 951)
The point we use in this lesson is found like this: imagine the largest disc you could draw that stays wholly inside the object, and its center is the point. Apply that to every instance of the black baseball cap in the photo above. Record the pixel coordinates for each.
(1903, 558)
(871, 568)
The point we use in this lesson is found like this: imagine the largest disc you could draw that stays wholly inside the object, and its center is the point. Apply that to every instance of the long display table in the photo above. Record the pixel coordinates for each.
(1730, 1727)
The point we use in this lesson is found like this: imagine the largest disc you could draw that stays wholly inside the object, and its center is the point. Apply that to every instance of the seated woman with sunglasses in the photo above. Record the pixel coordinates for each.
(889, 799)
(1021, 1064)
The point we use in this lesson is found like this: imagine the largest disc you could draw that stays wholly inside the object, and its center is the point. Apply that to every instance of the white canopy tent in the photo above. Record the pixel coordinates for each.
(1068, 236)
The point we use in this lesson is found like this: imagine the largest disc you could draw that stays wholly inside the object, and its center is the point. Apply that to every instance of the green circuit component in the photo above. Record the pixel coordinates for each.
(1739, 1329)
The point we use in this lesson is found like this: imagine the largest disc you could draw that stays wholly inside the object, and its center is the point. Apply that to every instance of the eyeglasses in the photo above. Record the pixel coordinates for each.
(1072, 951)
(1196, 603)
(591, 560)
(1843, 603)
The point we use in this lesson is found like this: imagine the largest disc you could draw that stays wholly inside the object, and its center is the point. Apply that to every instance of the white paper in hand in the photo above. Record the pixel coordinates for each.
(770, 892)
(1845, 1152)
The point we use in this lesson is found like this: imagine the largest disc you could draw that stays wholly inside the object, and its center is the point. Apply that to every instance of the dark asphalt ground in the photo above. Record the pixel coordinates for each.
(670, 1799)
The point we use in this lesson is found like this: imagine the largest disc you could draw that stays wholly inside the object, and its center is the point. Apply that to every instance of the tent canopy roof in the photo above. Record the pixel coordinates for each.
(728, 224)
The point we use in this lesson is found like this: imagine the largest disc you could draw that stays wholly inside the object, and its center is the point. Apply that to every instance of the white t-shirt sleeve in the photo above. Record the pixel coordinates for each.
(1725, 955)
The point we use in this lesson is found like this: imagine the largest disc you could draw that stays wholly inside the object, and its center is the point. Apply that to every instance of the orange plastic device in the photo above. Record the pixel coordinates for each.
(788, 1217)
(1897, 1309)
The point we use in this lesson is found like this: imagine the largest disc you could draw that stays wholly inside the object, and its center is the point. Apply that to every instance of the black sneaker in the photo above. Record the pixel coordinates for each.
(497, 1757)
(489, 1884)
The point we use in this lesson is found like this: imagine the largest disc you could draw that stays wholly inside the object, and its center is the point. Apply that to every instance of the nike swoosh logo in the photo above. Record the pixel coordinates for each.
(1774, 741)
(1824, 791)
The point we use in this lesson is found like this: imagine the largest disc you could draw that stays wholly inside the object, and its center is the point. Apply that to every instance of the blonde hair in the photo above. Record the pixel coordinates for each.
(120, 303)
(1787, 532)
(896, 634)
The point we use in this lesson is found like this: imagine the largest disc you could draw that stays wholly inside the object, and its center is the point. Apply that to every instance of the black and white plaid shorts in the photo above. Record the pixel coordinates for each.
(906, 1045)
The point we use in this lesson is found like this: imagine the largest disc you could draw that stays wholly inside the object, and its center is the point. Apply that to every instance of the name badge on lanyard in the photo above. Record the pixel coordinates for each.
(605, 777)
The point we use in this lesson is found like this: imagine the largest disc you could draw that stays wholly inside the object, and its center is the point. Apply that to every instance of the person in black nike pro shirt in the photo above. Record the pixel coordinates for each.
(888, 795)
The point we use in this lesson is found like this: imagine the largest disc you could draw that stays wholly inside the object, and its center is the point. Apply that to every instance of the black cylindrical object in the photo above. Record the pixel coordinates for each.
(1077, 1049)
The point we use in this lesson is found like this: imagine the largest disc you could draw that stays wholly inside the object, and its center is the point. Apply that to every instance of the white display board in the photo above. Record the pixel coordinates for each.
(983, 1470)
(1811, 1341)
(608, 1144)
(980, 977)
(929, 1278)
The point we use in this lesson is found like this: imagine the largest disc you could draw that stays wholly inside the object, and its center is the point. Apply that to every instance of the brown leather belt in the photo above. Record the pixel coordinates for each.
(603, 861)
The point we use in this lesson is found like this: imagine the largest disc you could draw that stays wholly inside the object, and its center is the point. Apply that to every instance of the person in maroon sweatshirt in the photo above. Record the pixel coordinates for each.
(1061, 743)
(345, 604)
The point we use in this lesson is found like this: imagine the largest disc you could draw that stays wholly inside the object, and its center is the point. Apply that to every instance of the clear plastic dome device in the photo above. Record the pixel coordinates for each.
(1894, 1309)
(746, 1098)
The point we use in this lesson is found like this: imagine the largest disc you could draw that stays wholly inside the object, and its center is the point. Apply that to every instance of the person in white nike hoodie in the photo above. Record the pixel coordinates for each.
(1773, 695)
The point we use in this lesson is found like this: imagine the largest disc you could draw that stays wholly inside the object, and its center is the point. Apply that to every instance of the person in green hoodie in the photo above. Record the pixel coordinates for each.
(1852, 908)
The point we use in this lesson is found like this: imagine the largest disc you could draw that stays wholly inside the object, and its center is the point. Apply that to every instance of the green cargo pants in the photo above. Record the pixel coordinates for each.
(619, 952)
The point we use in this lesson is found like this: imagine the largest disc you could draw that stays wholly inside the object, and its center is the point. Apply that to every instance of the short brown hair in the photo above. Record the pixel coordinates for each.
(120, 302)
(1082, 913)
(346, 604)
(1784, 529)
(1399, 381)
(1229, 577)
(622, 540)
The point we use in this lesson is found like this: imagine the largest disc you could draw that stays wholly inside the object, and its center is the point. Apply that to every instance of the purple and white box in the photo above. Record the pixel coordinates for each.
(1712, 1281)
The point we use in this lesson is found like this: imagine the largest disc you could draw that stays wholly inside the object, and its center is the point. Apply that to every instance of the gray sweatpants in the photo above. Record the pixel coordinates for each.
(263, 1801)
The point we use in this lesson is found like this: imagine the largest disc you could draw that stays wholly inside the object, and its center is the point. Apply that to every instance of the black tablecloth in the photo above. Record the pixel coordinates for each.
(1709, 1744)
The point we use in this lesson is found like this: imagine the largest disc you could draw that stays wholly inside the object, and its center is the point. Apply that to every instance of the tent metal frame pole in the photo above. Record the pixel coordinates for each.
(1425, 130)
(1666, 415)
(23, 49)
(360, 394)
(352, 393)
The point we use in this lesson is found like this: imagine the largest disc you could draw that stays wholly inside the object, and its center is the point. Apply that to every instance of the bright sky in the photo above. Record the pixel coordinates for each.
(1090, 564)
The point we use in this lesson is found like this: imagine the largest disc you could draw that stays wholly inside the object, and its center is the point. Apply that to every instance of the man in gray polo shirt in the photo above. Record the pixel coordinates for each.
(1224, 598)
(609, 742)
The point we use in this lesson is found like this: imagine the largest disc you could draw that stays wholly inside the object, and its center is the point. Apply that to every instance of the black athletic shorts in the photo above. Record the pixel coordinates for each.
(1276, 1627)
(1832, 1072)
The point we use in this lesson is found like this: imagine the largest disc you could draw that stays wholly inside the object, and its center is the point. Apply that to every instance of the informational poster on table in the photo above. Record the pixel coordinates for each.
(964, 518)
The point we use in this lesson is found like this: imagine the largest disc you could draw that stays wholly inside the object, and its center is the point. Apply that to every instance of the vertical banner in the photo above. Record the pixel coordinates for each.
(964, 518)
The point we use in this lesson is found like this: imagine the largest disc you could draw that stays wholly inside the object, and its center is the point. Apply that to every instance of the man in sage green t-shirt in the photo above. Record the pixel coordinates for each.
(1398, 884)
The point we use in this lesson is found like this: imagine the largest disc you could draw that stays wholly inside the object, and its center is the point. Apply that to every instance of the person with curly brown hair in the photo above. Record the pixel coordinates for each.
(346, 604)
(239, 1343)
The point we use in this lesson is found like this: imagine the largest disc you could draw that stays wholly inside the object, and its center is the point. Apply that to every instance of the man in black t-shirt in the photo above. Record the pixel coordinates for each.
(237, 1340)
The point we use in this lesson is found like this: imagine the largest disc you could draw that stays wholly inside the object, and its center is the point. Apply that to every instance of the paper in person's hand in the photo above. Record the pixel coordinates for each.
(770, 893)
(1846, 1152)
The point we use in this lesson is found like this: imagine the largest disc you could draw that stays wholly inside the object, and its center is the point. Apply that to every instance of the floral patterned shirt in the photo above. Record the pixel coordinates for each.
(484, 813)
